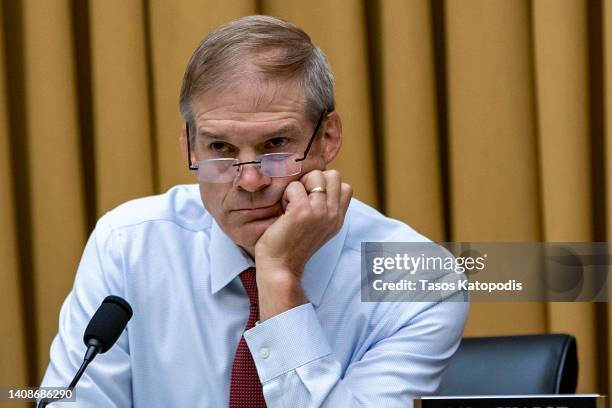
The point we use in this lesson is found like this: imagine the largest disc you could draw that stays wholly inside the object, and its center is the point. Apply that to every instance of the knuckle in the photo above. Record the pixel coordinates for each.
(303, 212)
(333, 174)
(294, 187)
(307, 208)
(294, 184)
(332, 218)
(319, 211)
(316, 174)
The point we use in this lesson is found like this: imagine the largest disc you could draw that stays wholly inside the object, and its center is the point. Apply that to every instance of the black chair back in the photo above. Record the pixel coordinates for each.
(511, 365)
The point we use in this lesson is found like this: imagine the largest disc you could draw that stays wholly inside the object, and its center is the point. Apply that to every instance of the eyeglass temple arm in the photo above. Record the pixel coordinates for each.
(313, 136)
(191, 166)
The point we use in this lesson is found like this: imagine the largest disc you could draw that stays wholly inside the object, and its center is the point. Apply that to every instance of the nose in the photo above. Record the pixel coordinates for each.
(251, 179)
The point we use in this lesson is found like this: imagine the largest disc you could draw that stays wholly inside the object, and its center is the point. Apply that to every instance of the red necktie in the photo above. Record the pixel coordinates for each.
(245, 387)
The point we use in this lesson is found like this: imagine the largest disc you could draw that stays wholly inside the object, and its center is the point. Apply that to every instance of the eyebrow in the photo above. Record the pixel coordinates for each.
(282, 131)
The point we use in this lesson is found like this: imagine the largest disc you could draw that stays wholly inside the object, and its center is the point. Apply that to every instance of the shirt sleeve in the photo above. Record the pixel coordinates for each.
(297, 366)
(107, 380)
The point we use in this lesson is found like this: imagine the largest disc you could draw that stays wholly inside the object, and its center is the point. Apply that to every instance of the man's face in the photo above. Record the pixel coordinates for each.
(253, 117)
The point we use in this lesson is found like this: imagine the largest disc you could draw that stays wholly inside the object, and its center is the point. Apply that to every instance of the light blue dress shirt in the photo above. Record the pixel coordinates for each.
(179, 271)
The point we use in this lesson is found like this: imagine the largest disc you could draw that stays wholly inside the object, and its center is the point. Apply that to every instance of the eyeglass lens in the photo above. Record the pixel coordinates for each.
(270, 165)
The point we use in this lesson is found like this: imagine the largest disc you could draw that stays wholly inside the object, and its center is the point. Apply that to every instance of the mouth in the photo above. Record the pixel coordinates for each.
(260, 212)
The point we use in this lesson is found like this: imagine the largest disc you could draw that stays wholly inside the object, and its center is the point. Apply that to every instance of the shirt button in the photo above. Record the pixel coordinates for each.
(264, 352)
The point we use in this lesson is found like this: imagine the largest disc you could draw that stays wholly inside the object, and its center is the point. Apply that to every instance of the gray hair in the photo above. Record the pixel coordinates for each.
(273, 47)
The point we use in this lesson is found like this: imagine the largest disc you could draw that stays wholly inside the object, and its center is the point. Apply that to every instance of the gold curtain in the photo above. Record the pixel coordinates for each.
(471, 120)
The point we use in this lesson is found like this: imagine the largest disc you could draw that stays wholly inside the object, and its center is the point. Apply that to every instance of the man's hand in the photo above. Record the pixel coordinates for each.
(308, 222)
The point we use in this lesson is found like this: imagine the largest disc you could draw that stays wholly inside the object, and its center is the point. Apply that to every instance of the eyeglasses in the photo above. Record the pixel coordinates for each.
(224, 170)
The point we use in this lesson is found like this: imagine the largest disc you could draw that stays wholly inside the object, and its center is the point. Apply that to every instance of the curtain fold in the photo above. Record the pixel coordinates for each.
(122, 133)
(561, 57)
(14, 368)
(607, 167)
(491, 140)
(470, 120)
(410, 117)
(55, 182)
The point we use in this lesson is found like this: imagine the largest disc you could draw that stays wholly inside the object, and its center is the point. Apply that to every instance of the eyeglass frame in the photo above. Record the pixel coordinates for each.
(316, 130)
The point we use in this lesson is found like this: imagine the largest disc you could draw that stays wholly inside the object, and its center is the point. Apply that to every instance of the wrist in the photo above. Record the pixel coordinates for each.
(277, 273)
(278, 292)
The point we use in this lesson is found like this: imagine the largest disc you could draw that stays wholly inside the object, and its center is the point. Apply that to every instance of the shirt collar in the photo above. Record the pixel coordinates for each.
(228, 260)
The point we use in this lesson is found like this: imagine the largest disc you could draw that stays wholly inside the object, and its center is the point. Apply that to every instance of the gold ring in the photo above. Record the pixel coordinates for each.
(318, 190)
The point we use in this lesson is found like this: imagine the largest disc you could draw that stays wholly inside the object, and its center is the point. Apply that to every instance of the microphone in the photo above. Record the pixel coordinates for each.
(101, 333)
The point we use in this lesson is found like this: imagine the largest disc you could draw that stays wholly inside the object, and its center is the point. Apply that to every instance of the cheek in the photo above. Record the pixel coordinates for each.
(213, 196)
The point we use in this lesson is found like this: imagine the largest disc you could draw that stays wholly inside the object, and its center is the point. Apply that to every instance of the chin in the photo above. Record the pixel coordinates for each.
(251, 231)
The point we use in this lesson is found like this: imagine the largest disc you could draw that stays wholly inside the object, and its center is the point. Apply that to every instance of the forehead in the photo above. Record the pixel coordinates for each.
(251, 103)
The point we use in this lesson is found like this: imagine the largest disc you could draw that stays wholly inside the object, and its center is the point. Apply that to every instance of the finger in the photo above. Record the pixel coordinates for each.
(333, 187)
(346, 192)
(312, 180)
(294, 194)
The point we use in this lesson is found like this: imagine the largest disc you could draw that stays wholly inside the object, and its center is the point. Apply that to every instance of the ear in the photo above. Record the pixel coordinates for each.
(331, 137)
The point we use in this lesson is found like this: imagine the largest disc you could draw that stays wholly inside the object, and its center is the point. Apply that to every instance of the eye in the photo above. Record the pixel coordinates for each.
(277, 142)
(220, 147)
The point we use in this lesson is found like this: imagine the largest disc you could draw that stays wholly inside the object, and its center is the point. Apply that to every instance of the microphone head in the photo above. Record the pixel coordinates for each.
(108, 322)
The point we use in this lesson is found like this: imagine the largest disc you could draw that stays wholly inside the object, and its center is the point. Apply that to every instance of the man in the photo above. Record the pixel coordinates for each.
(248, 288)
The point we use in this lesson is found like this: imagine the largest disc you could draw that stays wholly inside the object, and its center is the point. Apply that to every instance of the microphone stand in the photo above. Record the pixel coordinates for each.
(93, 348)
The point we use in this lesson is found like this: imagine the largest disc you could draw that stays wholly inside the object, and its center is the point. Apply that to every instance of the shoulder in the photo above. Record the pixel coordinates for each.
(367, 224)
(180, 206)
